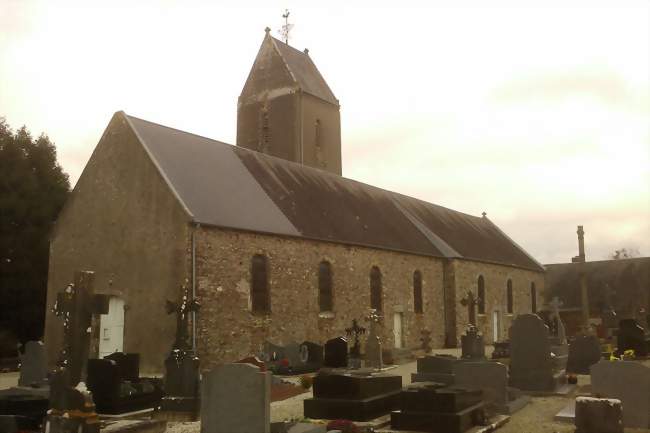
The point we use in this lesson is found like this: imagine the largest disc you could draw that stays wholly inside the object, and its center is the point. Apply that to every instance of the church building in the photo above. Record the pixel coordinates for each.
(268, 235)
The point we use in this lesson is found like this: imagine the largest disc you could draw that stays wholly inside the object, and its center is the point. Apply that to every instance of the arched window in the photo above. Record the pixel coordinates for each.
(509, 298)
(417, 292)
(260, 299)
(533, 298)
(481, 295)
(325, 286)
(375, 289)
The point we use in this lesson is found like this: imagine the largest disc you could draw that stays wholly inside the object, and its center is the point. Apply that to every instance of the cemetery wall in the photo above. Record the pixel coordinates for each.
(123, 223)
(466, 275)
(228, 330)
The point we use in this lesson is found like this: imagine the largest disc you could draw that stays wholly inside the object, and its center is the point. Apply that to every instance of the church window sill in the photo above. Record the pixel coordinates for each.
(326, 315)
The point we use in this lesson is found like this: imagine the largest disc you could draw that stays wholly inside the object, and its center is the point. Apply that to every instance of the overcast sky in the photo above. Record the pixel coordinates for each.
(534, 112)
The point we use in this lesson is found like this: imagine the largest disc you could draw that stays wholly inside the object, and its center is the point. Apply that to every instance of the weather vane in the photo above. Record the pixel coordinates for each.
(286, 28)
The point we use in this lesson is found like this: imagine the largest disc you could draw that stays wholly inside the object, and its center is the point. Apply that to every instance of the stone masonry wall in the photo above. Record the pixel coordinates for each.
(466, 278)
(228, 331)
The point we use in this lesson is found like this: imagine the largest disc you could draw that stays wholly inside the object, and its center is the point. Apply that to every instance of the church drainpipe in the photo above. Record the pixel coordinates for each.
(194, 286)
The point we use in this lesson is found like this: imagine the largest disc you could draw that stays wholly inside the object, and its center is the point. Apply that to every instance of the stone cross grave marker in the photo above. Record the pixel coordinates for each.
(374, 356)
(560, 332)
(33, 364)
(470, 302)
(426, 340)
(182, 309)
(76, 305)
(629, 382)
(236, 399)
(355, 331)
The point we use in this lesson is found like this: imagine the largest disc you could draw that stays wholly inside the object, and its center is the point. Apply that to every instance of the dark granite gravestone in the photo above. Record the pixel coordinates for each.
(128, 365)
(631, 336)
(33, 365)
(353, 396)
(501, 350)
(531, 364)
(436, 368)
(492, 379)
(430, 407)
(629, 382)
(27, 407)
(584, 351)
(336, 353)
(311, 354)
(116, 390)
(472, 344)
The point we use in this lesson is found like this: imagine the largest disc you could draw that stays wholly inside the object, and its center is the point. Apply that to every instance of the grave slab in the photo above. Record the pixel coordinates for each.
(598, 415)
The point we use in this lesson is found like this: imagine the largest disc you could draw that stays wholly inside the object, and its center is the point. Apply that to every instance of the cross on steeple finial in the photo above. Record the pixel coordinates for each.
(286, 28)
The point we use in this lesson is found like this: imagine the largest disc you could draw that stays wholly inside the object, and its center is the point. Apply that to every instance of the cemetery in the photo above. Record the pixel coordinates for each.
(341, 383)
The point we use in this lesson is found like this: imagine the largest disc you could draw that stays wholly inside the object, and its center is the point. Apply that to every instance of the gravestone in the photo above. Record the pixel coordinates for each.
(629, 382)
(373, 353)
(181, 398)
(501, 350)
(71, 405)
(531, 366)
(631, 336)
(492, 379)
(236, 398)
(431, 407)
(353, 395)
(272, 352)
(117, 387)
(425, 340)
(558, 330)
(436, 368)
(472, 344)
(598, 415)
(336, 353)
(33, 365)
(292, 353)
(471, 302)
(584, 351)
(355, 331)
(128, 365)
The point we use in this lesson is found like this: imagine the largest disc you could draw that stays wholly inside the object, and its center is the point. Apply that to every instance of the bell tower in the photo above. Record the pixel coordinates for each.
(286, 109)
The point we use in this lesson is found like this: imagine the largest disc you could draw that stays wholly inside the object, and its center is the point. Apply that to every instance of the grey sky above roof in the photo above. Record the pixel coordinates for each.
(305, 72)
(227, 186)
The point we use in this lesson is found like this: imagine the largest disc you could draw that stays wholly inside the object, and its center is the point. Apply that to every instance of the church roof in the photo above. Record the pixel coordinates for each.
(304, 71)
(232, 187)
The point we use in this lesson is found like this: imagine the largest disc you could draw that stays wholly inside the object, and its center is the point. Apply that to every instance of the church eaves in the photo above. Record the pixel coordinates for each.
(231, 187)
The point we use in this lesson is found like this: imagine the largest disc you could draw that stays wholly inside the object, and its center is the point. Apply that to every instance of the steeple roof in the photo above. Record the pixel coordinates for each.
(303, 70)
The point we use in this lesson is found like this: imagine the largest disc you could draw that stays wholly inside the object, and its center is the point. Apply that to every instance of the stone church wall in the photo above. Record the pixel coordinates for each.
(123, 223)
(496, 276)
(227, 330)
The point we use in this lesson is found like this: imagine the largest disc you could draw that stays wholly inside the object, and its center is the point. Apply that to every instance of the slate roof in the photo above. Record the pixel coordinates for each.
(228, 186)
(626, 278)
(304, 71)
